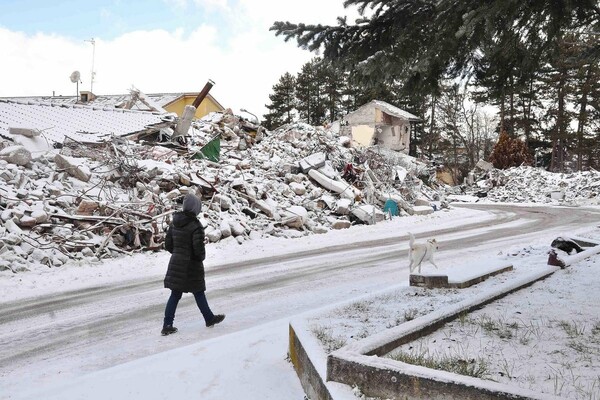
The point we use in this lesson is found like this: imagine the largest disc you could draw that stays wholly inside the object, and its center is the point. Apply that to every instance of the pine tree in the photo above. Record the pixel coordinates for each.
(350, 95)
(586, 88)
(405, 47)
(420, 42)
(283, 102)
(558, 77)
(334, 88)
(310, 95)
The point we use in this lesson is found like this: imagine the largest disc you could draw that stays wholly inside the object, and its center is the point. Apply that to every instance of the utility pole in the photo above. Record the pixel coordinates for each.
(93, 42)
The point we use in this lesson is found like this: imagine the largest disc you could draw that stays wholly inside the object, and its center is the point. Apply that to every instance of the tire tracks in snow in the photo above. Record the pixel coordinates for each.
(102, 317)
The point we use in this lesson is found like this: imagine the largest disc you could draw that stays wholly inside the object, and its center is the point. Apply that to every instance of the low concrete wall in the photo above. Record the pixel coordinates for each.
(311, 381)
(428, 281)
(407, 382)
(478, 279)
(354, 364)
(442, 281)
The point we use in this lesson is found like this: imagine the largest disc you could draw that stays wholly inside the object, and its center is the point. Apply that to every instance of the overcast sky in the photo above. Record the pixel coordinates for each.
(154, 45)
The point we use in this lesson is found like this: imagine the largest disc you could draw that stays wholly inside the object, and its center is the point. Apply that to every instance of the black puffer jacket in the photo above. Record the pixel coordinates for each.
(185, 242)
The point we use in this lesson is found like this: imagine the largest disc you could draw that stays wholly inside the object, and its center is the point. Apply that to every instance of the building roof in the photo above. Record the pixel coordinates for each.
(186, 94)
(83, 123)
(115, 100)
(395, 111)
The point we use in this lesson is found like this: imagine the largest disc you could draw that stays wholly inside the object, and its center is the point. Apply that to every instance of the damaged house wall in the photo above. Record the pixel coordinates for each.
(379, 123)
(209, 104)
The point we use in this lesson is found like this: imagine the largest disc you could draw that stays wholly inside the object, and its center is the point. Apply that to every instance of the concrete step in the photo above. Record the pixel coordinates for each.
(461, 276)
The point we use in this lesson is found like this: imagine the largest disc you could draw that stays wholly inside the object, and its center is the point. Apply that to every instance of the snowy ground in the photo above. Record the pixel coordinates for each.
(249, 363)
(545, 338)
(77, 275)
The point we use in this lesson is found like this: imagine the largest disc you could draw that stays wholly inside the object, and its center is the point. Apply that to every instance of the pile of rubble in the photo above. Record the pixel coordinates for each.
(531, 185)
(97, 200)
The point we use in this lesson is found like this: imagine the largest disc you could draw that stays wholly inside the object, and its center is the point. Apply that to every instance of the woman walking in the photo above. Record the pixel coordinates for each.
(185, 274)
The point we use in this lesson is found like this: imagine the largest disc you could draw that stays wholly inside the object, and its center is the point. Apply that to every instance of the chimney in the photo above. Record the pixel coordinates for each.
(86, 96)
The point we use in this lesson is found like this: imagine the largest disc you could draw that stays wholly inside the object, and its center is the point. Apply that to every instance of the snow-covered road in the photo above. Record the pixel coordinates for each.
(69, 333)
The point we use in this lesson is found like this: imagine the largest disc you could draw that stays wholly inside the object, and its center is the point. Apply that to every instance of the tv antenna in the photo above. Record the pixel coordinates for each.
(93, 42)
(75, 78)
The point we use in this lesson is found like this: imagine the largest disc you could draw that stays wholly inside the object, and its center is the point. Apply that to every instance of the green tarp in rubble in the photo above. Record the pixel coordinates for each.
(210, 150)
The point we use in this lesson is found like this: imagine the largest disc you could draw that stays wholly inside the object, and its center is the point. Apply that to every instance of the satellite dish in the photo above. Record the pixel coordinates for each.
(75, 76)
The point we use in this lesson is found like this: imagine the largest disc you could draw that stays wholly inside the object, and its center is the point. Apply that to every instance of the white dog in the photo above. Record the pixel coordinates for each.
(419, 252)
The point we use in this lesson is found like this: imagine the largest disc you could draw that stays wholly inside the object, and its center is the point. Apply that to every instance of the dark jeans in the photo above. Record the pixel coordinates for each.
(174, 300)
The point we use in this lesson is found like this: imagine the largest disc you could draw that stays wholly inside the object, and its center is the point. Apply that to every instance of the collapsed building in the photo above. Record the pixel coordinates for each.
(89, 182)
(378, 122)
(86, 182)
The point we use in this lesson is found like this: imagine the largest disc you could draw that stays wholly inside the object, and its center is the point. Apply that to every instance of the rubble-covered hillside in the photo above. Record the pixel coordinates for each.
(92, 201)
(528, 185)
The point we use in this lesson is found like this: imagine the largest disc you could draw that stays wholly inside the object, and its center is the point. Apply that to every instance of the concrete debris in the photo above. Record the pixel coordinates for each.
(341, 224)
(183, 125)
(97, 200)
(225, 229)
(484, 165)
(342, 207)
(316, 160)
(73, 167)
(529, 185)
(27, 132)
(340, 187)
(17, 155)
(422, 210)
(368, 214)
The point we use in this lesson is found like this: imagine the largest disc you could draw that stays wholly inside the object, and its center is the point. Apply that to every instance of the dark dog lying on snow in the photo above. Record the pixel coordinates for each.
(566, 245)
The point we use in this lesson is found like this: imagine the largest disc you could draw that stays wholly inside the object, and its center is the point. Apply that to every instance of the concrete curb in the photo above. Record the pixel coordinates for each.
(442, 281)
(310, 379)
(357, 364)
(310, 362)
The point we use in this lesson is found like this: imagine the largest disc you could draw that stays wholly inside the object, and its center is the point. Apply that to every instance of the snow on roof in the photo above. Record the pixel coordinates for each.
(163, 98)
(82, 123)
(395, 111)
(113, 100)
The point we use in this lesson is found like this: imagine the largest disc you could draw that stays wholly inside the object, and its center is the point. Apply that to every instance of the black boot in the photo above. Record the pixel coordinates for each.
(216, 319)
(167, 330)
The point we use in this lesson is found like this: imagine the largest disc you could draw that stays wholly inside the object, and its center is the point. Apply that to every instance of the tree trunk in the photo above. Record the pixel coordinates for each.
(527, 113)
(560, 121)
(455, 150)
(432, 129)
(512, 108)
(502, 113)
(581, 120)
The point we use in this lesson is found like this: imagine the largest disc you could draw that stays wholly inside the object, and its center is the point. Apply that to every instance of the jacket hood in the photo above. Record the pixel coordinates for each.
(192, 204)
(181, 218)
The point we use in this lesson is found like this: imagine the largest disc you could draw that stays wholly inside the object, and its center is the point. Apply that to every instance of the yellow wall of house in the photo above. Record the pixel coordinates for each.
(363, 134)
(207, 106)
